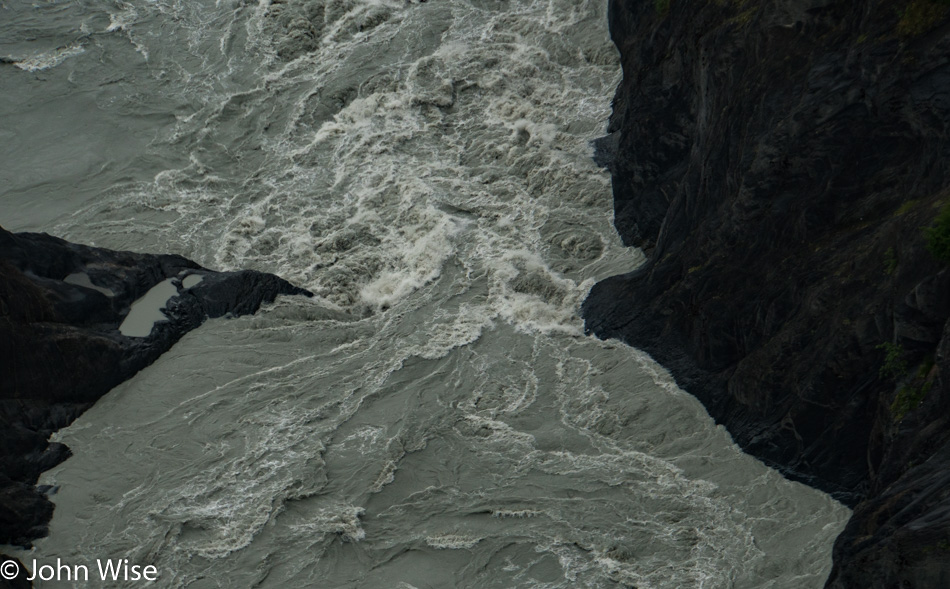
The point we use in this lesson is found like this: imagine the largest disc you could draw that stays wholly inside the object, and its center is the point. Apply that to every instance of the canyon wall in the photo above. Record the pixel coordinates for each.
(780, 163)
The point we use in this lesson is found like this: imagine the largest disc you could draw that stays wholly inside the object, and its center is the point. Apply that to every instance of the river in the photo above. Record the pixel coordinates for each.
(435, 417)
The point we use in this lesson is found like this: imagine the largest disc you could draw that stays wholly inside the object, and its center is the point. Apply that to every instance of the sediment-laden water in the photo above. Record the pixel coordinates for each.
(434, 417)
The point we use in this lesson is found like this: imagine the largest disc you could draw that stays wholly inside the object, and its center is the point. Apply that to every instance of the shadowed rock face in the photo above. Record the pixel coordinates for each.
(61, 349)
(777, 161)
(21, 580)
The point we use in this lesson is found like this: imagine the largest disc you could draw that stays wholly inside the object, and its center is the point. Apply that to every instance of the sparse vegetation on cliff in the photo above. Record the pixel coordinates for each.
(938, 236)
(913, 394)
(908, 399)
(894, 365)
(920, 17)
(890, 261)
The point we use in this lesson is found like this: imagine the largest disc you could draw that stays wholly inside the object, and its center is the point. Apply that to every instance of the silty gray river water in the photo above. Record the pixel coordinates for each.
(434, 417)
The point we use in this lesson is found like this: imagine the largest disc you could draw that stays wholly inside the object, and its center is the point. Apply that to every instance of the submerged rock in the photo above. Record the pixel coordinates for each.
(777, 162)
(61, 348)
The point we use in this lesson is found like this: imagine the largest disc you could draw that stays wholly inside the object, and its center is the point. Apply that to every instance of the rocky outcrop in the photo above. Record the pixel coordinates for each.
(777, 162)
(61, 348)
(20, 580)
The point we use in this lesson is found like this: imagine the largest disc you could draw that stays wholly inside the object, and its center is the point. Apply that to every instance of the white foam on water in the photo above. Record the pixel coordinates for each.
(121, 21)
(452, 542)
(435, 416)
(388, 172)
(423, 255)
(342, 520)
(49, 59)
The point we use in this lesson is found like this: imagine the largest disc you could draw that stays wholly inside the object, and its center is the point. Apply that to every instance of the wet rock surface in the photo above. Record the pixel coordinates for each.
(777, 162)
(61, 348)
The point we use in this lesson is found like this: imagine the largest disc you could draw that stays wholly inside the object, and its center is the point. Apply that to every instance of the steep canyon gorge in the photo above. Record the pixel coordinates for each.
(781, 163)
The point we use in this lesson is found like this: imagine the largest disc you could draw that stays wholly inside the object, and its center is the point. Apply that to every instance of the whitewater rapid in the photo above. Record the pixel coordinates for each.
(435, 416)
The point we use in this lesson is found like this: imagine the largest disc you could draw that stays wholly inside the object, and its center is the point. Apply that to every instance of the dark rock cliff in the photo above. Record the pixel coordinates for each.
(778, 162)
(22, 574)
(61, 348)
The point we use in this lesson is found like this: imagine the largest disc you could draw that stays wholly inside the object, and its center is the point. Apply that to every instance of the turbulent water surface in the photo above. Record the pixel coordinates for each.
(435, 417)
